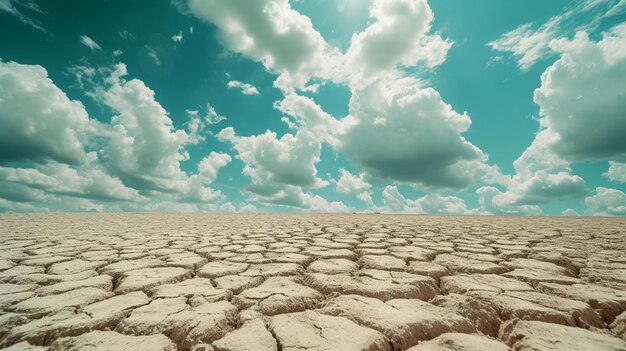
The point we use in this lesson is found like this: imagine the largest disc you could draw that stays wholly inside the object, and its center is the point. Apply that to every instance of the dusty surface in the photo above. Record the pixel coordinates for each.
(311, 282)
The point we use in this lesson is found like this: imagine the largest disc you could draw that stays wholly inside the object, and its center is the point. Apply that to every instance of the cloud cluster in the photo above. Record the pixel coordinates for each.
(432, 203)
(53, 154)
(540, 177)
(397, 130)
(582, 107)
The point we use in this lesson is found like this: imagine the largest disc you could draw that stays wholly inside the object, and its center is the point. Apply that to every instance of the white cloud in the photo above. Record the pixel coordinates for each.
(198, 192)
(293, 196)
(177, 38)
(436, 203)
(616, 172)
(582, 103)
(606, 202)
(494, 201)
(419, 140)
(570, 212)
(269, 32)
(210, 165)
(90, 43)
(89, 180)
(582, 98)
(351, 184)
(13, 206)
(195, 127)
(526, 44)
(290, 159)
(144, 149)
(126, 35)
(432, 203)
(529, 43)
(279, 167)
(540, 177)
(38, 120)
(248, 208)
(211, 117)
(152, 54)
(16, 8)
(397, 129)
(246, 89)
(46, 162)
(355, 186)
(398, 36)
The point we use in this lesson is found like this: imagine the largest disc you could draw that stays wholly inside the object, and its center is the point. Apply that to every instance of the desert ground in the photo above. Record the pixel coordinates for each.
(311, 282)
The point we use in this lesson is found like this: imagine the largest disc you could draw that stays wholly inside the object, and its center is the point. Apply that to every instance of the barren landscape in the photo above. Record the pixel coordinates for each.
(311, 282)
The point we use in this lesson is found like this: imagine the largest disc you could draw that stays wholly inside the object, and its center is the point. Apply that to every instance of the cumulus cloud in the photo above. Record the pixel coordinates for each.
(404, 133)
(530, 43)
(493, 200)
(144, 149)
(616, 172)
(38, 120)
(540, 176)
(355, 186)
(582, 99)
(294, 196)
(290, 160)
(431, 203)
(398, 36)
(210, 165)
(269, 32)
(351, 184)
(90, 43)
(606, 202)
(279, 167)
(246, 88)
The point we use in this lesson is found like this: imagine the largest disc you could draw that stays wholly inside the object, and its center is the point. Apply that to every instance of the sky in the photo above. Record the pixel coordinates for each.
(399, 106)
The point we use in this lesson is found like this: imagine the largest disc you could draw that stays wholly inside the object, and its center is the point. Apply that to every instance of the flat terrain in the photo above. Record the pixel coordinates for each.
(311, 282)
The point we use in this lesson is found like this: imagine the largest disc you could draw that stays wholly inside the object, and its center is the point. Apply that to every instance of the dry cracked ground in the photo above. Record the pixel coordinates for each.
(311, 282)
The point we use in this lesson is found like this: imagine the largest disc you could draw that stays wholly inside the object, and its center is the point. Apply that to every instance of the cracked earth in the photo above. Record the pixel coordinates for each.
(311, 282)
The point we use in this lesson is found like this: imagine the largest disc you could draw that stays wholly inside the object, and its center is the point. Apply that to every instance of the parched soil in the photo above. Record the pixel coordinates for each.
(311, 282)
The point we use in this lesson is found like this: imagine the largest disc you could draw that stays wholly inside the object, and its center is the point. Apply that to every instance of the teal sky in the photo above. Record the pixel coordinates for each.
(481, 107)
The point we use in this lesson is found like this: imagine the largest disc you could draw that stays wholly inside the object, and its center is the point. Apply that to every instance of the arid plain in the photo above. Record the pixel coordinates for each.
(311, 282)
